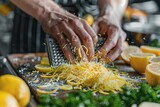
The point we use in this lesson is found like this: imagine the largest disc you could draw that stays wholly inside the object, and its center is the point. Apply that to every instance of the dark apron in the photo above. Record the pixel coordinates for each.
(28, 35)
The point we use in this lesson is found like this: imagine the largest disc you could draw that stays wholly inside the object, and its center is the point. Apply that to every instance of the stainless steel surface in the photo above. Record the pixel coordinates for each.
(5, 66)
(55, 54)
(37, 81)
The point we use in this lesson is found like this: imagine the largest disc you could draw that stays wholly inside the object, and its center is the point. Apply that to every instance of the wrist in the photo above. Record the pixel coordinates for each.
(46, 8)
(106, 10)
(111, 13)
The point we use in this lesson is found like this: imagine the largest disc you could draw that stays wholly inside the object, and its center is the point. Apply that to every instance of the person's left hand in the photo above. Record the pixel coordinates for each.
(109, 26)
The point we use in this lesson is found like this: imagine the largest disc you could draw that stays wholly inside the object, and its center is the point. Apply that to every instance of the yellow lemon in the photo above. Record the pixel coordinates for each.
(149, 104)
(127, 51)
(17, 87)
(154, 60)
(45, 61)
(139, 61)
(149, 49)
(43, 68)
(89, 18)
(5, 10)
(7, 100)
(153, 74)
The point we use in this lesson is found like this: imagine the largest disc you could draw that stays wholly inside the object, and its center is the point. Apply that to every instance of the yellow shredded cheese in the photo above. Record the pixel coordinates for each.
(88, 75)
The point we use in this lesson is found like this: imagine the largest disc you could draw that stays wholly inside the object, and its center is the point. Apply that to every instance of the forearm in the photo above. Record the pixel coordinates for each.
(116, 7)
(37, 8)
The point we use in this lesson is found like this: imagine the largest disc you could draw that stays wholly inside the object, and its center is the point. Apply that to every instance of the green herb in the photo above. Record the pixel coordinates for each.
(155, 43)
(126, 98)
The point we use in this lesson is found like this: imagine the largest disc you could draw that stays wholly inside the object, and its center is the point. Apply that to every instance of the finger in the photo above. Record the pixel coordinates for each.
(124, 35)
(95, 27)
(91, 33)
(103, 28)
(102, 31)
(109, 43)
(113, 54)
(64, 46)
(86, 40)
(75, 41)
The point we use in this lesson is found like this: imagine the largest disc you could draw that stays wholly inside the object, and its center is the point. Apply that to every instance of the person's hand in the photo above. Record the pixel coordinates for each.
(109, 26)
(65, 28)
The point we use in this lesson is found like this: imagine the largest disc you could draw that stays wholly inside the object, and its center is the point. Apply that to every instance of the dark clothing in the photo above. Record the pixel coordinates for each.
(28, 35)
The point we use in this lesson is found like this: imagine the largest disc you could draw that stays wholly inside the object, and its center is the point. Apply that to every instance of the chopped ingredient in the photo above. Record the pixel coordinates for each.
(127, 98)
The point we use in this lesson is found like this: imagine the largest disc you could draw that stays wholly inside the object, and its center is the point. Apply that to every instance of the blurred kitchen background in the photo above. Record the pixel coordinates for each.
(141, 21)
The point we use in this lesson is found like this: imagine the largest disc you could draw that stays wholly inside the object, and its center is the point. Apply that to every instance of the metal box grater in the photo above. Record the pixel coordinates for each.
(55, 54)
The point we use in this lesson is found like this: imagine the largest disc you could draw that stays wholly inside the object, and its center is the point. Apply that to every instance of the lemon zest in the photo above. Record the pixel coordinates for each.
(47, 92)
(66, 87)
(90, 75)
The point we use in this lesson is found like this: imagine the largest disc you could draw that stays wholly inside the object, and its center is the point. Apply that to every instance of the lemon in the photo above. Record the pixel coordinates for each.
(45, 61)
(149, 104)
(127, 51)
(89, 18)
(149, 49)
(43, 68)
(5, 9)
(7, 100)
(153, 74)
(17, 87)
(154, 60)
(139, 61)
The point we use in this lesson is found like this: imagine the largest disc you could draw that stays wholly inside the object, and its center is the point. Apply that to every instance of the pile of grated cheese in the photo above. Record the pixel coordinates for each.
(89, 75)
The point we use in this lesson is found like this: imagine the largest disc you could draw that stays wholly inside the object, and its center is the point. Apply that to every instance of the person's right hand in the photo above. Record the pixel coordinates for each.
(65, 28)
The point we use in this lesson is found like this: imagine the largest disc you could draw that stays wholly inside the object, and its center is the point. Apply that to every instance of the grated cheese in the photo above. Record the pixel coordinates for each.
(88, 75)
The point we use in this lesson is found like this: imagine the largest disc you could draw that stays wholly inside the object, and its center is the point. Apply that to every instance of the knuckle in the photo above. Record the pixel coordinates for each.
(113, 43)
(88, 39)
(74, 39)
(75, 22)
(95, 38)
(84, 21)
(114, 28)
(63, 23)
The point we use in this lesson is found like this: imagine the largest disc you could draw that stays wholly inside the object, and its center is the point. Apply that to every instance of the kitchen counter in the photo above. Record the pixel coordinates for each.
(12, 63)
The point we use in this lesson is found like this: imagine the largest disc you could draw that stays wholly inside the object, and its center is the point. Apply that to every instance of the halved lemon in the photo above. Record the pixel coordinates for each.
(139, 61)
(155, 59)
(153, 74)
(7, 100)
(127, 51)
(43, 68)
(45, 61)
(149, 104)
(149, 49)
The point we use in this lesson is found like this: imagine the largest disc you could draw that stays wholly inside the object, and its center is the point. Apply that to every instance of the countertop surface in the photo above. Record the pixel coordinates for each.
(11, 63)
